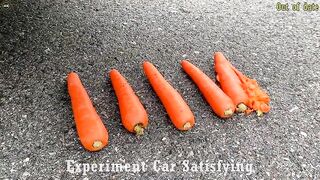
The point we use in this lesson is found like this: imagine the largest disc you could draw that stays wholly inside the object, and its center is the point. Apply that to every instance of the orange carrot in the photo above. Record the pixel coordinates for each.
(258, 100)
(133, 115)
(230, 83)
(92, 133)
(220, 103)
(177, 109)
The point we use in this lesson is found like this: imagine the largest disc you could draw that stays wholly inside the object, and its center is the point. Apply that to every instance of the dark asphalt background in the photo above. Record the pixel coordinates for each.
(41, 41)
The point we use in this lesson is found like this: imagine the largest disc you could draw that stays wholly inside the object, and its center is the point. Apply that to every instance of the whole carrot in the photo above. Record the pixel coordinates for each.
(92, 133)
(230, 82)
(133, 115)
(177, 109)
(220, 103)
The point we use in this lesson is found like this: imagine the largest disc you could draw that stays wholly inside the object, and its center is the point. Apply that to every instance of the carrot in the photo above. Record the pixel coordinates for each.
(133, 115)
(230, 82)
(258, 100)
(177, 109)
(92, 133)
(220, 103)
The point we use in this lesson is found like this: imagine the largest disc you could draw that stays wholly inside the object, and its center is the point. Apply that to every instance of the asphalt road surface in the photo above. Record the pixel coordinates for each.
(41, 41)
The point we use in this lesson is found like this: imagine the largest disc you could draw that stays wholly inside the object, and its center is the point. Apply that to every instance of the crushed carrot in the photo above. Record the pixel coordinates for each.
(258, 99)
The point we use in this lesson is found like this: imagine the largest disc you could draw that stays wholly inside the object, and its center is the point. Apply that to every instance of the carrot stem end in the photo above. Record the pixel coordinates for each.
(228, 112)
(138, 129)
(241, 108)
(187, 126)
(259, 113)
(97, 144)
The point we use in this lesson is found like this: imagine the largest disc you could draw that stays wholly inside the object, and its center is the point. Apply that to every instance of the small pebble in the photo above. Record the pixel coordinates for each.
(303, 134)
(287, 159)
(26, 174)
(12, 170)
(291, 150)
(26, 160)
(293, 109)
(47, 50)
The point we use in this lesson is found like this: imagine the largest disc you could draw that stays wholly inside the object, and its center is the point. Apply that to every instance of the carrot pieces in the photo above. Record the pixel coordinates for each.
(257, 100)
(230, 83)
(92, 133)
(220, 103)
(133, 115)
(177, 109)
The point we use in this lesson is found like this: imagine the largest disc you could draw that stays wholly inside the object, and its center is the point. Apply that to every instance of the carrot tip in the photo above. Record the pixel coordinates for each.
(228, 112)
(97, 144)
(138, 129)
(187, 126)
(259, 113)
(241, 108)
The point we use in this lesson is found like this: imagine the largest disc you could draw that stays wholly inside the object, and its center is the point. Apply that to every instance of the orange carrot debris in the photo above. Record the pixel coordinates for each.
(92, 133)
(258, 100)
(133, 115)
